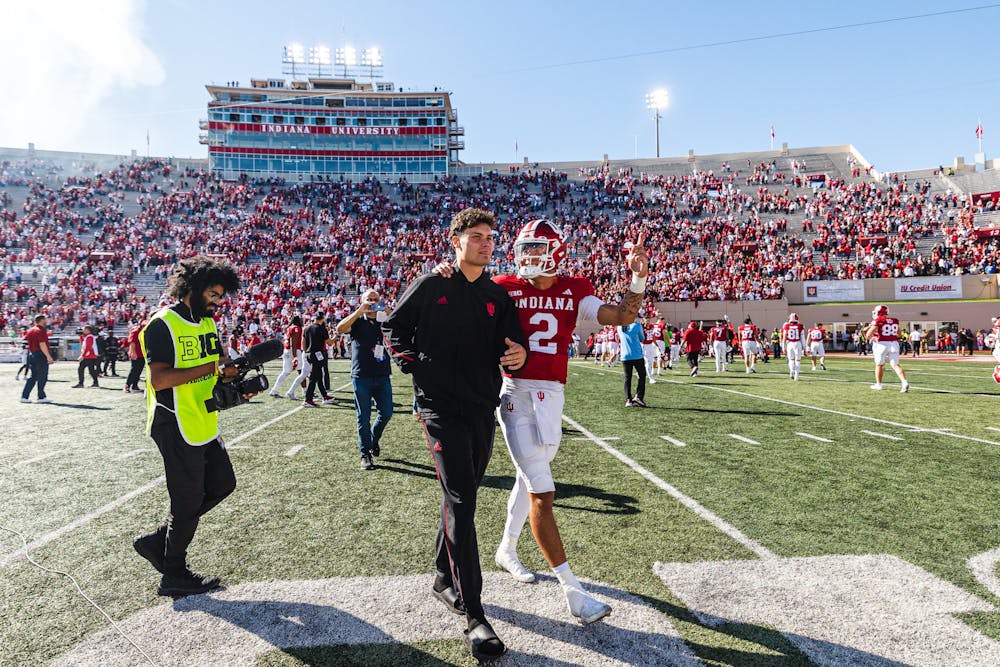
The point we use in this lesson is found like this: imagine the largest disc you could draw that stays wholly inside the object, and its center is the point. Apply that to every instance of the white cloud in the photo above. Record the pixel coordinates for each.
(62, 59)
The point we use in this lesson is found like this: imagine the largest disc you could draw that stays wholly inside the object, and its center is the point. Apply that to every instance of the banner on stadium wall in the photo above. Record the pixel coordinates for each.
(929, 287)
(817, 291)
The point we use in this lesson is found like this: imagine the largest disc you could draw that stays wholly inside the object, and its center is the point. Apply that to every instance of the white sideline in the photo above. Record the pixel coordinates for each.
(685, 500)
(936, 431)
(41, 541)
(37, 459)
(882, 435)
(813, 437)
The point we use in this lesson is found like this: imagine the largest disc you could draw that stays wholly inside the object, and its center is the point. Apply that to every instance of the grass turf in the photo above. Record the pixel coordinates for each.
(926, 498)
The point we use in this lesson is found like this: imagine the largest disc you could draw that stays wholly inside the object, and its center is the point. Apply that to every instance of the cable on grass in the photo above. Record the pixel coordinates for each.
(69, 576)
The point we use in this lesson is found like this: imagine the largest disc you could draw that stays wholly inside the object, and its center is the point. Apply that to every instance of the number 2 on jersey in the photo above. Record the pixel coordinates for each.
(537, 341)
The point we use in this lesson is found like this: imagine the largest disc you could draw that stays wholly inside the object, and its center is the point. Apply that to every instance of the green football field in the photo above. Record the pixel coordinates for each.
(739, 520)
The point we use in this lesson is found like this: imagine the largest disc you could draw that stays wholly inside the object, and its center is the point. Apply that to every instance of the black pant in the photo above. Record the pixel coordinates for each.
(110, 362)
(461, 446)
(198, 479)
(640, 368)
(319, 376)
(133, 374)
(692, 359)
(90, 365)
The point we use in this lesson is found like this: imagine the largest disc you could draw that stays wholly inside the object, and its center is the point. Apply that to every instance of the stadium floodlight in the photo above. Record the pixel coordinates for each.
(320, 57)
(371, 57)
(346, 56)
(295, 54)
(657, 100)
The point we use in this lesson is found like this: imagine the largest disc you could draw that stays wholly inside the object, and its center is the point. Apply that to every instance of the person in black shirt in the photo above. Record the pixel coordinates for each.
(453, 334)
(314, 340)
(109, 354)
(370, 369)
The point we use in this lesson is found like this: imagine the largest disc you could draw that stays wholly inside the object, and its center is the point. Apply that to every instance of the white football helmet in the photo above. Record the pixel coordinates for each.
(539, 249)
(793, 317)
(879, 311)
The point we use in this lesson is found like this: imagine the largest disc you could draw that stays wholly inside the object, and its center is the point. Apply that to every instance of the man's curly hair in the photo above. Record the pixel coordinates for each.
(196, 274)
(471, 217)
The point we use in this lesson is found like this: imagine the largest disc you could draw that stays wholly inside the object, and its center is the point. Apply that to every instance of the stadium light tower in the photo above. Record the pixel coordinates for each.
(320, 57)
(293, 55)
(346, 56)
(372, 59)
(657, 101)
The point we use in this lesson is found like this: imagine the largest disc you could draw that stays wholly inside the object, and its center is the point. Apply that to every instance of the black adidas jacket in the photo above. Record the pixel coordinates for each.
(449, 334)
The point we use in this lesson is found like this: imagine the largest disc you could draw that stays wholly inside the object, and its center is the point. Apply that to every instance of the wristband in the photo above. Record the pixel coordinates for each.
(638, 284)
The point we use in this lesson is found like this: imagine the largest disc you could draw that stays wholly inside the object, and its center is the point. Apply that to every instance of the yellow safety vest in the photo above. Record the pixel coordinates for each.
(194, 345)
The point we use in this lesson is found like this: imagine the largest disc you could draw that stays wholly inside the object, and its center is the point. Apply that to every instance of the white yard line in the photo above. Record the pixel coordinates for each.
(672, 441)
(614, 437)
(295, 450)
(685, 500)
(992, 428)
(882, 435)
(44, 539)
(937, 431)
(37, 459)
(743, 439)
(813, 437)
(133, 453)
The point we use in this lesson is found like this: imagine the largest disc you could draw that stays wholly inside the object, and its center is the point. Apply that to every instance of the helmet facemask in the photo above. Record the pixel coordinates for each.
(534, 258)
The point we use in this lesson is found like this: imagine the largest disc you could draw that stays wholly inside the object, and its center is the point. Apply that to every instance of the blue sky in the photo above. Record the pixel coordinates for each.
(95, 76)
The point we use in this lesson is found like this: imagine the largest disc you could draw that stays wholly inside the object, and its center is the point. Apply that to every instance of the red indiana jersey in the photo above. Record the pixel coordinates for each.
(793, 332)
(817, 334)
(548, 318)
(293, 337)
(719, 334)
(886, 329)
(748, 332)
(656, 332)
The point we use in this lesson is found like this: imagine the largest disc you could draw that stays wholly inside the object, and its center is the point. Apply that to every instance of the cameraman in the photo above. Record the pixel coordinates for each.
(182, 349)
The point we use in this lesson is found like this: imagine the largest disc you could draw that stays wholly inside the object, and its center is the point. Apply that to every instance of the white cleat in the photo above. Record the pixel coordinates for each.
(652, 380)
(508, 560)
(877, 387)
(905, 388)
(583, 607)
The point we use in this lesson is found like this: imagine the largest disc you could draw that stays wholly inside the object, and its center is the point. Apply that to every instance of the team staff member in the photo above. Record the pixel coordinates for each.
(452, 334)
(693, 338)
(182, 348)
(314, 342)
(370, 369)
(39, 358)
(90, 360)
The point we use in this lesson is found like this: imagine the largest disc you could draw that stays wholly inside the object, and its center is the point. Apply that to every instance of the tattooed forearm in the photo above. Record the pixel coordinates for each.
(629, 306)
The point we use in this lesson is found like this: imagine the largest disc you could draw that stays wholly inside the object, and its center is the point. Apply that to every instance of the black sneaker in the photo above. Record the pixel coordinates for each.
(639, 402)
(366, 463)
(151, 547)
(482, 641)
(376, 450)
(186, 583)
(78, 385)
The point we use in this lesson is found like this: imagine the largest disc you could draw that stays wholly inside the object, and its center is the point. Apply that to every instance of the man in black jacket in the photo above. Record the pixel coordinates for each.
(453, 334)
(315, 340)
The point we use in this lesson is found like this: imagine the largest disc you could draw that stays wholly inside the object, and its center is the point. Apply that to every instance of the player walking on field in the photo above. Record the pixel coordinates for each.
(530, 413)
(884, 332)
(816, 350)
(791, 339)
(719, 336)
(748, 344)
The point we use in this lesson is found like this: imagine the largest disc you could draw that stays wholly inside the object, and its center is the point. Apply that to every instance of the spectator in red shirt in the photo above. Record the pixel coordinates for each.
(39, 358)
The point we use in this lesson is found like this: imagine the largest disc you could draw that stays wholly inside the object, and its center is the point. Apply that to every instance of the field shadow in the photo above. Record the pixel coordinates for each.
(786, 652)
(78, 406)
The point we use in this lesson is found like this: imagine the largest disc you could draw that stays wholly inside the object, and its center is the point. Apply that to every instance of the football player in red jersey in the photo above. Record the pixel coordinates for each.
(816, 350)
(530, 412)
(748, 344)
(791, 339)
(291, 356)
(719, 335)
(884, 332)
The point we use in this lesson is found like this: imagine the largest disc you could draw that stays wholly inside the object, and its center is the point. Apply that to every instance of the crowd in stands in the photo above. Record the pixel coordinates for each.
(95, 247)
